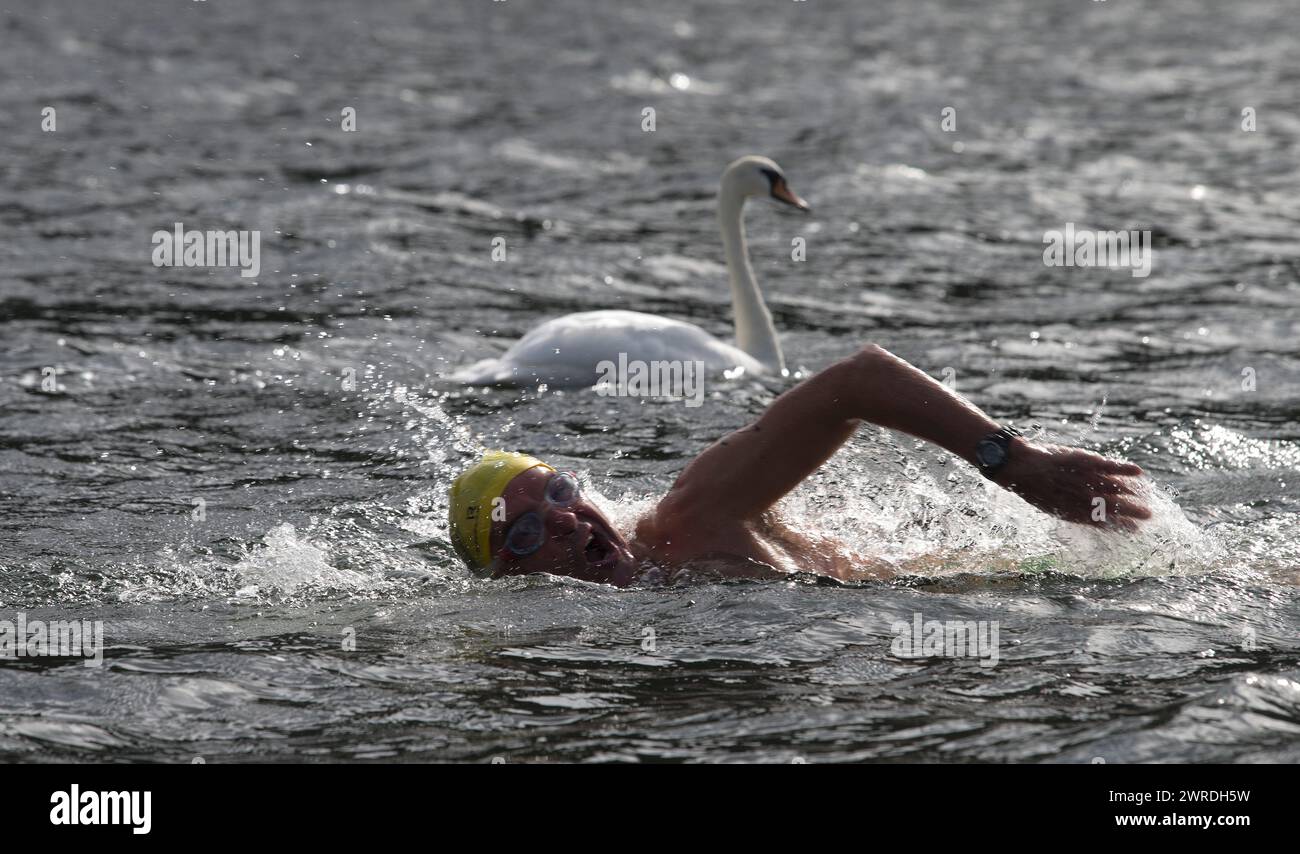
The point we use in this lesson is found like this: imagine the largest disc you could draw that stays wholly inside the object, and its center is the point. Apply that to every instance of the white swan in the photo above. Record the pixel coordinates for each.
(565, 351)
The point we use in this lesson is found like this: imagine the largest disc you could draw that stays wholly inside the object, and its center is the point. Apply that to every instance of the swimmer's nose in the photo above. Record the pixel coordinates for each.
(562, 521)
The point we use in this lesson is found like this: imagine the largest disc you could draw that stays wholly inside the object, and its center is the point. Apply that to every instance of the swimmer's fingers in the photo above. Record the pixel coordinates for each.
(1105, 485)
(1108, 484)
(1125, 512)
(1121, 468)
(1096, 512)
(1107, 477)
(1114, 503)
(1090, 461)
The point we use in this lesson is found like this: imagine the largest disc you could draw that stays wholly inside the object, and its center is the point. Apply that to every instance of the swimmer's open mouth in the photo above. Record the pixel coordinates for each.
(599, 552)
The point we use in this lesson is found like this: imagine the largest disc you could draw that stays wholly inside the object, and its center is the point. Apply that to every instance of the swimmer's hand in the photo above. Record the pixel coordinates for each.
(1074, 485)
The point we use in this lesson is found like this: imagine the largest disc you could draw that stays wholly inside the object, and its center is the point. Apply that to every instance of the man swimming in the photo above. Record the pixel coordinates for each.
(512, 514)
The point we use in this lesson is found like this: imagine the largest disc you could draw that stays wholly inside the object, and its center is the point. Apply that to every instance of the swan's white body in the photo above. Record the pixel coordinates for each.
(566, 351)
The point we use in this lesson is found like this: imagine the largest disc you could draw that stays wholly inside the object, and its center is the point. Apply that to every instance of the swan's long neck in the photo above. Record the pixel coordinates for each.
(755, 333)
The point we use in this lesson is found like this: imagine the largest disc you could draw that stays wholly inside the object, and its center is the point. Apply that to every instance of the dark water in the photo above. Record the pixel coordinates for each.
(322, 499)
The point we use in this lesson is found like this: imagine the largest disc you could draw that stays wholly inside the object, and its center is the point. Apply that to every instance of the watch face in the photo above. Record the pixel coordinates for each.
(989, 453)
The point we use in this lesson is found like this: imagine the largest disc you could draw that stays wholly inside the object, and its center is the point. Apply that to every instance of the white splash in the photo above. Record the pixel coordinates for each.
(288, 562)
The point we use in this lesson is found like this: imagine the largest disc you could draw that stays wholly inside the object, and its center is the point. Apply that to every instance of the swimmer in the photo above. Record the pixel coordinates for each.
(719, 512)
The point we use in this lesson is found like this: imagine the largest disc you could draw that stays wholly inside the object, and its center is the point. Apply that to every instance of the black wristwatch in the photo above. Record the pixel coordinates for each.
(994, 450)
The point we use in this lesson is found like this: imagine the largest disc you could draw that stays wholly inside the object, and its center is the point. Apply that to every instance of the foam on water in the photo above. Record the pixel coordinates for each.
(287, 562)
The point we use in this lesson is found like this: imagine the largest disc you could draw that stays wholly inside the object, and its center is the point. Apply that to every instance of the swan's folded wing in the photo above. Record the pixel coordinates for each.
(568, 351)
(500, 372)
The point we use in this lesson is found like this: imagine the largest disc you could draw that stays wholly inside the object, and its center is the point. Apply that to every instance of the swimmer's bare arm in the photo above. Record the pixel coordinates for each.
(746, 472)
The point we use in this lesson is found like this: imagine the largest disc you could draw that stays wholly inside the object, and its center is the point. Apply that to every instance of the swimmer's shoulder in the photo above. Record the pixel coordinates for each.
(656, 529)
(673, 539)
(656, 540)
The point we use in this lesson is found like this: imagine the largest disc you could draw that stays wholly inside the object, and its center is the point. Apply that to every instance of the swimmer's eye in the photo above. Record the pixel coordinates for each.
(562, 489)
(526, 535)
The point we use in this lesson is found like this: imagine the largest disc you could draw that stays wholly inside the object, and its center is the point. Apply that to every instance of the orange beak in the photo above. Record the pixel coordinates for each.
(782, 192)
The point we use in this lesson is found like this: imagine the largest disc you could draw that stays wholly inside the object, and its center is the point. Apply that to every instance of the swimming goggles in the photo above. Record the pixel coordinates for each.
(527, 534)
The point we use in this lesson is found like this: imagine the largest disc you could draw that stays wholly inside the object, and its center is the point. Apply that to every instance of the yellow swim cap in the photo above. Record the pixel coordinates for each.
(471, 502)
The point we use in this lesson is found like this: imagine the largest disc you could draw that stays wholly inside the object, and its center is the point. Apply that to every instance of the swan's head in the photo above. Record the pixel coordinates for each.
(512, 514)
(752, 175)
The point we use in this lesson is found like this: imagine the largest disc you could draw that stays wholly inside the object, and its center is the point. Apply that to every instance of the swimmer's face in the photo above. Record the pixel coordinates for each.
(579, 541)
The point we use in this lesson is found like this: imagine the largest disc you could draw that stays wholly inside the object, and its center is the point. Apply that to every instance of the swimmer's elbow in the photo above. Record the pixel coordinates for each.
(867, 361)
(861, 379)
(872, 353)
(842, 385)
